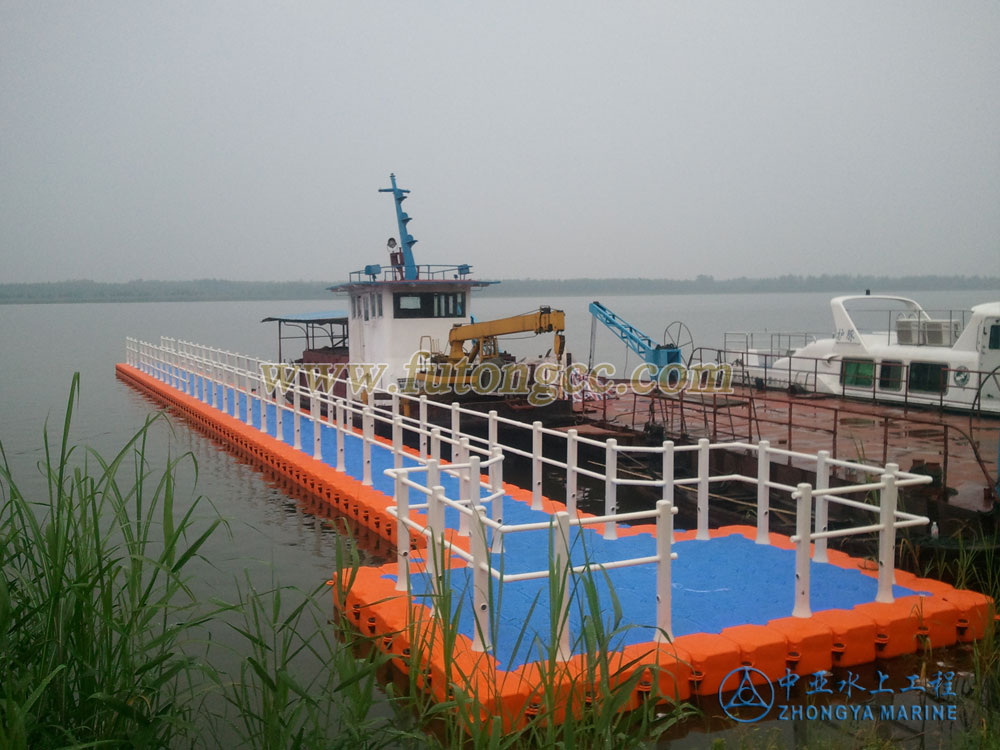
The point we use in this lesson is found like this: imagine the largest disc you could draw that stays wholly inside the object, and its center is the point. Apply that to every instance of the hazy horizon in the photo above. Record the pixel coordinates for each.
(577, 139)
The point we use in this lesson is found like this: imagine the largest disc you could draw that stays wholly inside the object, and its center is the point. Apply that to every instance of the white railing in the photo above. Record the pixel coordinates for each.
(220, 377)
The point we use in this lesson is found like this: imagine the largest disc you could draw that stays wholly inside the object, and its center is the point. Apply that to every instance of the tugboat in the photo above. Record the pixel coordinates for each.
(409, 329)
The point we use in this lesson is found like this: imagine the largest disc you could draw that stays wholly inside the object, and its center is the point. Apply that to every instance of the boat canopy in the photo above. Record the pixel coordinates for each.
(318, 318)
(318, 329)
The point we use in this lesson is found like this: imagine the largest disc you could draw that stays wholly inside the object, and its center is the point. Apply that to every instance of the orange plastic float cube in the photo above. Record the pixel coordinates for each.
(711, 657)
(853, 636)
(896, 626)
(810, 643)
(763, 648)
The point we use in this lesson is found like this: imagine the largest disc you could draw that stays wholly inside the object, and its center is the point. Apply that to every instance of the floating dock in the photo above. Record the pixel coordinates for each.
(538, 593)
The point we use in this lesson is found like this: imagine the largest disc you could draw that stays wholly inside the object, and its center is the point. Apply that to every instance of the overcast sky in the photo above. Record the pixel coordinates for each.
(247, 140)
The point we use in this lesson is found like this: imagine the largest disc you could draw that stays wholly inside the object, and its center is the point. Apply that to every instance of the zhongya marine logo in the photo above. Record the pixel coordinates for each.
(750, 702)
(827, 697)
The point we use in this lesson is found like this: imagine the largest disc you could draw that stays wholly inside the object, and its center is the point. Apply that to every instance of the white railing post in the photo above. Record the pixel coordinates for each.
(279, 414)
(213, 377)
(668, 479)
(436, 444)
(397, 442)
(536, 465)
(263, 407)
(297, 414)
(433, 472)
(316, 403)
(341, 435)
(481, 639)
(313, 418)
(402, 501)
(888, 498)
(822, 508)
(462, 455)
(456, 422)
(491, 428)
(181, 362)
(435, 547)
(563, 568)
(205, 397)
(496, 487)
(250, 379)
(703, 475)
(571, 475)
(367, 430)
(763, 492)
(475, 491)
(610, 487)
(423, 426)
(665, 511)
(803, 525)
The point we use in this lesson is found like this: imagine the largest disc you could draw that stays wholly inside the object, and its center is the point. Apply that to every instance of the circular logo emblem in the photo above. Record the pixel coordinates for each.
(961, 376)
(750, 702)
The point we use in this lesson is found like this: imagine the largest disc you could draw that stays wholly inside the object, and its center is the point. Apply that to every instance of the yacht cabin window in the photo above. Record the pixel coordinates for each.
(995, 336)
(857, 373)
(928, 377)
(890, 376)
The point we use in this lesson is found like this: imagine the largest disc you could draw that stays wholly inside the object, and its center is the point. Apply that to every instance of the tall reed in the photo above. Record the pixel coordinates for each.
(94, 600)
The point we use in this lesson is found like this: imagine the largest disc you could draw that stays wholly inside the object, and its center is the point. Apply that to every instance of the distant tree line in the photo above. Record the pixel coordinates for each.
(710, 285)
(206, 290)
(201, 290)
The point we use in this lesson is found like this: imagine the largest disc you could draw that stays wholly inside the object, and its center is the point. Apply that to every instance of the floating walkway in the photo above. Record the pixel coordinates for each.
(537, 593)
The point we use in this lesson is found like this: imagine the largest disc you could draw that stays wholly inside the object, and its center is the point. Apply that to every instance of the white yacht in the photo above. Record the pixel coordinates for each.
(951, 361)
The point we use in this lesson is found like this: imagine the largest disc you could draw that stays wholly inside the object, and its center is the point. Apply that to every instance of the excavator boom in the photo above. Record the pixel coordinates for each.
(544, 320)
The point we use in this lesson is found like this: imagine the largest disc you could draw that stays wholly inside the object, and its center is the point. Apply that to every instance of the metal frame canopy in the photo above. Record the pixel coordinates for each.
(313, 326)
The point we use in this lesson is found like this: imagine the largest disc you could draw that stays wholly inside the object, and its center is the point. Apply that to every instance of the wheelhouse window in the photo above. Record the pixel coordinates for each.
(890, 377)
(928, 377)
(857, 373)
(428, 305)
(995, 336)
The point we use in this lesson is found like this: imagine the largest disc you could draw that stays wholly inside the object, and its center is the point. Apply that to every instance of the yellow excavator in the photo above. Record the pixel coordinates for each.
(484, 335)
(485, 347)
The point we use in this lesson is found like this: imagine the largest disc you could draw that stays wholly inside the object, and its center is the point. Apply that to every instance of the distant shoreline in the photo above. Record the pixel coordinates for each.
(218, 290)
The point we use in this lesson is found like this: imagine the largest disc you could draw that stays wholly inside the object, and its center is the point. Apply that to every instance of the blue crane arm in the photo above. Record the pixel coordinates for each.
(635, 339)
(406, 241)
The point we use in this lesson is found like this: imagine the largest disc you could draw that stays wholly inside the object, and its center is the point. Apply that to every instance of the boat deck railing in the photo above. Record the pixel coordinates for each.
(866, 378)
(425, 272)
(219, 378)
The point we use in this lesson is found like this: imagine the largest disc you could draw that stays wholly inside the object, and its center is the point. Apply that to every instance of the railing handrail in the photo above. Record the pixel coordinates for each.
(201, 370)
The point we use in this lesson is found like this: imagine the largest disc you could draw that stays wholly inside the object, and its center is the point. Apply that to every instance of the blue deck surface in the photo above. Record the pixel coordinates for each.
(715, 583)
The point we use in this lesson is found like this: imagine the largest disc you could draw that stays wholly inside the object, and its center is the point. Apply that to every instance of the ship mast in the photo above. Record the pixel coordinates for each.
(406, 240)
